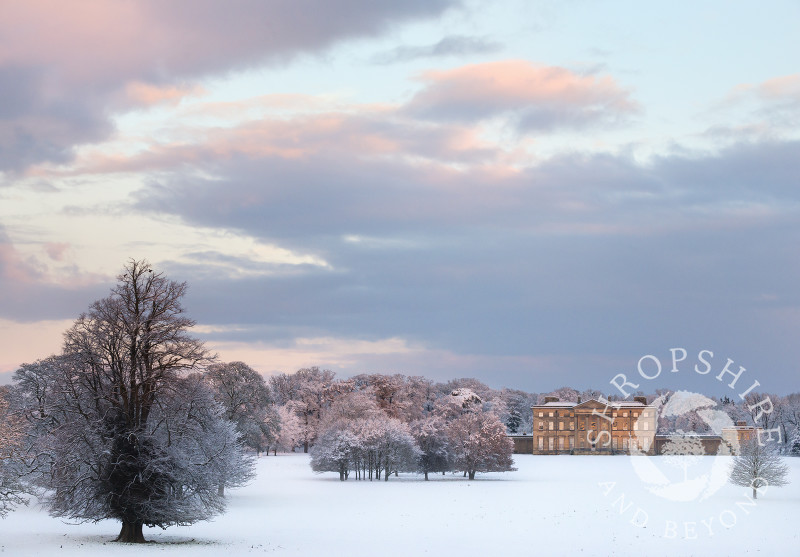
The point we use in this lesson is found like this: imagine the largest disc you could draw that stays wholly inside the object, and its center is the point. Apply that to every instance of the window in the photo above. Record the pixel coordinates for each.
(645, 444)
(624, 443)
(594, 425)
(615, 425)
(541, 426)
(541, 414)
(552, 426)
(561, 426)
(571, 443)
(541, 443)
(583, 426)
(551, 414)
(572, 426)
(624, 414)
(614, 442)
(560, 443)
(646, 426)
(551, 443)
(636, 425)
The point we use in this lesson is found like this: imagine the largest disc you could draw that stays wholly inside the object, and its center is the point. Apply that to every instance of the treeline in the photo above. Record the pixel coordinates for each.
(372, 426)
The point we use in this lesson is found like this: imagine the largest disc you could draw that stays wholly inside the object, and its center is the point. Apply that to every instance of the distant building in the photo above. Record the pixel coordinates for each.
(619, 427)
(593, 427)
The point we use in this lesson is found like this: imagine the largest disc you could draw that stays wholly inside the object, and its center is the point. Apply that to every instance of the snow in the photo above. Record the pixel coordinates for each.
(581, 505)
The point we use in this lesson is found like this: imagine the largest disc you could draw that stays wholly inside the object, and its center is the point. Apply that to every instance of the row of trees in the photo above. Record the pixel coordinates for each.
(359, 437)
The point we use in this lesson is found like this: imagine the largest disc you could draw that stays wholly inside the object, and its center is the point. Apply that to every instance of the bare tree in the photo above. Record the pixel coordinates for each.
(130, 436)
(757, 466)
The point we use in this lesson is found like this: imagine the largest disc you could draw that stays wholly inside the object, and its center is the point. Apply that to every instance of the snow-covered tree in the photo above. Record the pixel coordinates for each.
(335, 451)
(313, 390)
(758, 466)
(290, 432)
(431, 436)
(683, 451)
(356, 435)
(11, 437)
(244, 395)
(391, 447)
(479, 443)
(126, 440)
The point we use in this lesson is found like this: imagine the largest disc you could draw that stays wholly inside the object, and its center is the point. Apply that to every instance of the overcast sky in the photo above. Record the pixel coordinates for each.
(533, 193)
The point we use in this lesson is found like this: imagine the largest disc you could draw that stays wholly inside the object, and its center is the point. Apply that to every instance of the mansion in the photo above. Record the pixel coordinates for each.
(619, 427)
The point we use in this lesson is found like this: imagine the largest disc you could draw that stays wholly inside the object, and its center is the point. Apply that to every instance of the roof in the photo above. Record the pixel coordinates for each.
(611, 404)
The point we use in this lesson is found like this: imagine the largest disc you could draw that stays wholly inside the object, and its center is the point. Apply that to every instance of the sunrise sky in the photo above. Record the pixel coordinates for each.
(533, 193)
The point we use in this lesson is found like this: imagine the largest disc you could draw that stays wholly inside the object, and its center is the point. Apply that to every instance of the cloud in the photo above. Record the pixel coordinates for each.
(480, 263)
(66, 67)
(31, 292)
(452, 45)
(536, 97)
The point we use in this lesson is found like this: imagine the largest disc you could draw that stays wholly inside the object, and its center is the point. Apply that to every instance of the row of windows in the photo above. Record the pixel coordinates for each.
(551, 443)
(645, 426)
(616, 443)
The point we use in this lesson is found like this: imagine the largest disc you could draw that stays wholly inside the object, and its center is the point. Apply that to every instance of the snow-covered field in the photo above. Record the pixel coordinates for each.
(553, 505)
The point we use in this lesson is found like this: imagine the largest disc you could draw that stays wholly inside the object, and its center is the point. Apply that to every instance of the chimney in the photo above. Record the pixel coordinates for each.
(579, 400)
(550, 399)
(741, 424)
(642, 399)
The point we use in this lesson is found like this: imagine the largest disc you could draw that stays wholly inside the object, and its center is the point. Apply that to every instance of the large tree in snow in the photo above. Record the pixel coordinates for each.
(129, 436)
(758, 466)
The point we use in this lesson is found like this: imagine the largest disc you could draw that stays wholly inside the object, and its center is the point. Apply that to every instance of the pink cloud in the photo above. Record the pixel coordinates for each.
(540, 96)
(368, 133)
(144, 94)
(56, 251)
(68, 66)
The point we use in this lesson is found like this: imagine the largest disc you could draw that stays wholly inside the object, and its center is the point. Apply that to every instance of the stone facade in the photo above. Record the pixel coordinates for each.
(626, 427)
(593, 427)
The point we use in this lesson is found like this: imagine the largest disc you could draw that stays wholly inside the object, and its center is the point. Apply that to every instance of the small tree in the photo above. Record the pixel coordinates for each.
(758, 466)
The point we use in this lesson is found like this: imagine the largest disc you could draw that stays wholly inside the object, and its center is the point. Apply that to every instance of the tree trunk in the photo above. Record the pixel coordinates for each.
(426, 475)
(472, 474)
(221, 490)
(755, 493)
(131, 532)
(305, 446)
